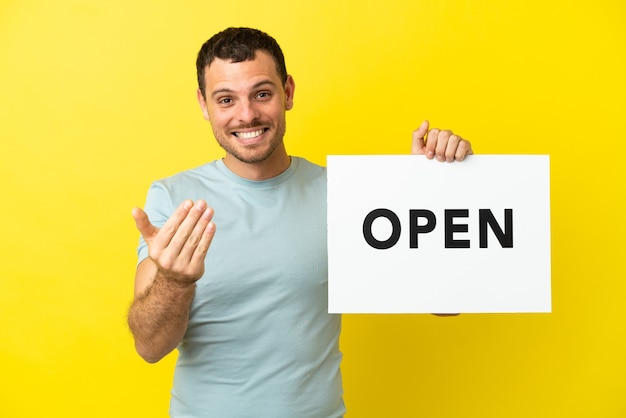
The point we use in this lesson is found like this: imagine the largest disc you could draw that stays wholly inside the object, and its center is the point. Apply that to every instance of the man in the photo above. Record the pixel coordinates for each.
(249, 317)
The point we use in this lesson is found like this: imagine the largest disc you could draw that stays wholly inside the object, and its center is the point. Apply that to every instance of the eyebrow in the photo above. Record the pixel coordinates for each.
(255, 86)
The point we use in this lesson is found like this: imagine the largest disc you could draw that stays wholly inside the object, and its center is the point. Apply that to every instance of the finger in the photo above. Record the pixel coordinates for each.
(195, 237)
(431, 143)
(185, 229)
(418, 144)
(464, 149)
(442, 144)
(452, 147)
(169, 229)
(146, 229)
(195, 266)
(204, 244)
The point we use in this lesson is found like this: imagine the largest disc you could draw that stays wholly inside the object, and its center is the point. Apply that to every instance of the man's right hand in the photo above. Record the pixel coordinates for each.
(178, 248)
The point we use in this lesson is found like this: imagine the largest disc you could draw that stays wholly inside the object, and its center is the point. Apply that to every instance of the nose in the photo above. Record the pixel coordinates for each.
(247, 111)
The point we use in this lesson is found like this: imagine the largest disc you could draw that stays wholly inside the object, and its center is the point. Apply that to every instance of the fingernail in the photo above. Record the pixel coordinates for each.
(200, 205)
(188, 204)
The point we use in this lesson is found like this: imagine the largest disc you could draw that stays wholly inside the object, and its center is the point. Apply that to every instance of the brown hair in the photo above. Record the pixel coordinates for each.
(238, 44)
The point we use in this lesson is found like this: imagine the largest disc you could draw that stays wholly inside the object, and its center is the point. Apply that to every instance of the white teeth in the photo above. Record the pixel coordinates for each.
(249, 135)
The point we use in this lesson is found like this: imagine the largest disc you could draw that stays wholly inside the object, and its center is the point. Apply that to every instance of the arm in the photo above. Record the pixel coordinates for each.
(165, 282)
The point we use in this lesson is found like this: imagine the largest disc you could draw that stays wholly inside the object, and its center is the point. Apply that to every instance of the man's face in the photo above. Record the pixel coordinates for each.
(246, 103)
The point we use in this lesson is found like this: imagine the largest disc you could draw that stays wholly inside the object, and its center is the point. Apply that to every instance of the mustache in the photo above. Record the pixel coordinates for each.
(253, 125)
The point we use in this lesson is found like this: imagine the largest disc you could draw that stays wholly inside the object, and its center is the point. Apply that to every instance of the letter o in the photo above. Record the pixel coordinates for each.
(395, 231)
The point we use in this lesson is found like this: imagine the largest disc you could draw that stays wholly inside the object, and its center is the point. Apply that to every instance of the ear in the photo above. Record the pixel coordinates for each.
(290, 87)
(203, 105)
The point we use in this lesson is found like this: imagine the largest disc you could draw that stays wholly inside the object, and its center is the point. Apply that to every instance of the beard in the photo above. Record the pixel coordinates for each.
(253, 153)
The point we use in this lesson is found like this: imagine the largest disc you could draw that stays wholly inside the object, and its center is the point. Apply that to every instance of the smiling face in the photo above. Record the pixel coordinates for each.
(246, 103)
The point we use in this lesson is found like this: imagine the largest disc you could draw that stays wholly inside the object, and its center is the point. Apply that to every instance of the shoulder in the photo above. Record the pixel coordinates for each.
(310, 176)
(307, 168)
(204, 172)
(196, 183)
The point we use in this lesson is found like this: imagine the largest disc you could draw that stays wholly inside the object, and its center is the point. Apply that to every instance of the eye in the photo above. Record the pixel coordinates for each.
(263, 95)
(224, 100)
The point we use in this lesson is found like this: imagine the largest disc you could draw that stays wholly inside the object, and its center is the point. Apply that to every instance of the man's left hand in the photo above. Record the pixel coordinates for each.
(443, 145)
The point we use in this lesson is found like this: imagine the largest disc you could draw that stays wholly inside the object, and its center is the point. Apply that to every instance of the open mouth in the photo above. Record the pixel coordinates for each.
(250, 135)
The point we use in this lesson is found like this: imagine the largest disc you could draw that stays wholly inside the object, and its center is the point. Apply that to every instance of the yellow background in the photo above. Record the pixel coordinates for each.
(97, 99)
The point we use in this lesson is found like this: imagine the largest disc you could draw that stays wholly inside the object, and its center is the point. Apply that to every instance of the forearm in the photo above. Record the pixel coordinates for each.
(159, 317)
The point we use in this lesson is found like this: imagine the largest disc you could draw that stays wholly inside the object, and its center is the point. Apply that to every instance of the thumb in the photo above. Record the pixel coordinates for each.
(419, 144)
(146, 229)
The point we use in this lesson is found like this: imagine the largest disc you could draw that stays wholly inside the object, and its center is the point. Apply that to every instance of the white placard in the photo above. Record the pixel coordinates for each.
(412, 235)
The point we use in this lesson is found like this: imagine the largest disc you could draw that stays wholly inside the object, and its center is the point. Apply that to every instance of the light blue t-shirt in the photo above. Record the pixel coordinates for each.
(260, 341)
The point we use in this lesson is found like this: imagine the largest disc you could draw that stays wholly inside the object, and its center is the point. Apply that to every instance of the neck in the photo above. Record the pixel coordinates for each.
(269, 168)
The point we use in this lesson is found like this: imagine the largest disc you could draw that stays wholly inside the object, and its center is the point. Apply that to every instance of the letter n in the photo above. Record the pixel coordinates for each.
(485, 217)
